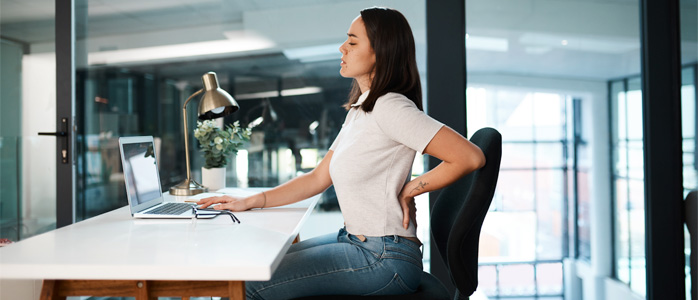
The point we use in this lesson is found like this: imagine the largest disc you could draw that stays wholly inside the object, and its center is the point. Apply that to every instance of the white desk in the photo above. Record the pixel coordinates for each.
(114, 246)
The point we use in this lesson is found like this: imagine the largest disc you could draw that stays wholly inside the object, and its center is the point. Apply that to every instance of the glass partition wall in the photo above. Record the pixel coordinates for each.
(689, 112)
(628, 170)
(538, 72)
(690, 166)
(138, 61)
(628, 173)
(628, 182)
(27, 107)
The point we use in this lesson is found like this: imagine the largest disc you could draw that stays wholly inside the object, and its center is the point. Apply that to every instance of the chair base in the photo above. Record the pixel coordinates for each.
(430, 288)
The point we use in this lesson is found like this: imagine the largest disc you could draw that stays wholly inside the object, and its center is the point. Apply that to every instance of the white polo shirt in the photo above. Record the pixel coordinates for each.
(372, 161)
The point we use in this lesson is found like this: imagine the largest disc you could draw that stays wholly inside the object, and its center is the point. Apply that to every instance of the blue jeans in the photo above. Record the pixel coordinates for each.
(341, 264)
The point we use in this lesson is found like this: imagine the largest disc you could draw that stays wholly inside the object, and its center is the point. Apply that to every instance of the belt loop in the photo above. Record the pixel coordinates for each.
(395, 238)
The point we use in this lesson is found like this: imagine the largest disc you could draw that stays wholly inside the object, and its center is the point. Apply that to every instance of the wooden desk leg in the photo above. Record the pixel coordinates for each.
(142, 292)
(236, 290)
(48, 291)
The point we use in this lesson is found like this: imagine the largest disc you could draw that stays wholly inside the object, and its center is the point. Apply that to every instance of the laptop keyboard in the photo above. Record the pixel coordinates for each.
(171, 209)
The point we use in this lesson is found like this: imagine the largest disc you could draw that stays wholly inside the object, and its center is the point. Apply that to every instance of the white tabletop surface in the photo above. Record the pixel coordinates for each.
(115, 246)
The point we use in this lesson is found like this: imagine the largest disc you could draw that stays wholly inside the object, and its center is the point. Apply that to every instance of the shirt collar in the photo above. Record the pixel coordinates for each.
(361, 99)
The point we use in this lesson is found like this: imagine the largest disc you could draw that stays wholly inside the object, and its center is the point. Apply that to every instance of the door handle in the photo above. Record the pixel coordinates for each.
(64, 135)
(60, 133)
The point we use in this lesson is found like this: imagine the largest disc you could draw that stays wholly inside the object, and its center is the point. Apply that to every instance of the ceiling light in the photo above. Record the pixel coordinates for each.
(313, 126)
(284, 93)
(487, 43)
(314, 53)
(239, 44)
(599, 44)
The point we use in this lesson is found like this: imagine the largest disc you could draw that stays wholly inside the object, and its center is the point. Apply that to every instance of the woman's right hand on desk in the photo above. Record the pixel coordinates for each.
(225, 202)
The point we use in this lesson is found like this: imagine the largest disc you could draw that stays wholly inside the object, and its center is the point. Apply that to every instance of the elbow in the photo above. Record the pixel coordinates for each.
(477, 160)
(481, 160)
(472, 162)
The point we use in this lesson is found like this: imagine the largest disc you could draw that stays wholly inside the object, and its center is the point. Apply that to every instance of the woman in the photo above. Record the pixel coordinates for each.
(369, 164)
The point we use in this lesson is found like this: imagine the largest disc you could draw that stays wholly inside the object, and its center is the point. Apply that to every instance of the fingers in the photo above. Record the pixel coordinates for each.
(405, 214)
(206, 202)
(409, 211)
(231, 206)
(221, 207)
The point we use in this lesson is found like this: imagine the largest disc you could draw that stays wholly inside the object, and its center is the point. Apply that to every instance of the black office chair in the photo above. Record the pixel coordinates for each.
(456, 221)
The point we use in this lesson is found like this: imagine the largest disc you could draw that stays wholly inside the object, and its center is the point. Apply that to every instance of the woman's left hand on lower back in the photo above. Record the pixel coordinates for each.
(409, 210)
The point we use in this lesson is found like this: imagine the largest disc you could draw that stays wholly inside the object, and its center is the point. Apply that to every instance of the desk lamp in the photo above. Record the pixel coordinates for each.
(215, 103)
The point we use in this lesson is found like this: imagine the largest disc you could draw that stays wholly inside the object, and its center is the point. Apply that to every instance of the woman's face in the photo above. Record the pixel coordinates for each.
(358, 57)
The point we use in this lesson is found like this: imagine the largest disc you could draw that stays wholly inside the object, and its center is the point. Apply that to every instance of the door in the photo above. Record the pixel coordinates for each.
(32, 100)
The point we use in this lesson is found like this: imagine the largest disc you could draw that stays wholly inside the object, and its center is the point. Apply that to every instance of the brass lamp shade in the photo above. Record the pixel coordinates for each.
(214, 104)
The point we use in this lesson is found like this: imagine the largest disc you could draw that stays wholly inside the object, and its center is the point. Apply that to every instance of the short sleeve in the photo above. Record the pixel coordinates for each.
(400, 119)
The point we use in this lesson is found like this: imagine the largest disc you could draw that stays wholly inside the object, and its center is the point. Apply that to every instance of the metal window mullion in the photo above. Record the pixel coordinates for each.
(614, 259)
(576, 130)
(695, 113)
(565, 187)
(627, 185)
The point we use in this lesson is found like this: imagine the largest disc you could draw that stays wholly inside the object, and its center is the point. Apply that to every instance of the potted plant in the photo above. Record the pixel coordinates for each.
(216, 145)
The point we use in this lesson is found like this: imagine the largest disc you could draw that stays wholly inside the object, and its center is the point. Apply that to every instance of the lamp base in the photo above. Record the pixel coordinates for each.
(188, 187)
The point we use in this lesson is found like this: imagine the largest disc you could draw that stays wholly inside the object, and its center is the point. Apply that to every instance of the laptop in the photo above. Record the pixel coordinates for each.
(143, 182)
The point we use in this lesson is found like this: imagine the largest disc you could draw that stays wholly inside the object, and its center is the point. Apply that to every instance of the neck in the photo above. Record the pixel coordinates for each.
(364, 83)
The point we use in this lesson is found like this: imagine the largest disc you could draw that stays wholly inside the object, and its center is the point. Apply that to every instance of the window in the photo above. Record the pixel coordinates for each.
(525, 235)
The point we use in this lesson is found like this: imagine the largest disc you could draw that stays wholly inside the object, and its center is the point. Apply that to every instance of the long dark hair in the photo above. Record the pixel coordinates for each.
(396, 63)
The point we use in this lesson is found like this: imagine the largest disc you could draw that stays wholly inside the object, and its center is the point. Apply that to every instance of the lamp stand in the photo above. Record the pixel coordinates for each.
(189, 186)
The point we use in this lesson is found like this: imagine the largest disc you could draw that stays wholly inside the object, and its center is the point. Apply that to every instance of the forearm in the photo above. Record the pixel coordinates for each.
(296, 189)
(459, 157)
(439, 177)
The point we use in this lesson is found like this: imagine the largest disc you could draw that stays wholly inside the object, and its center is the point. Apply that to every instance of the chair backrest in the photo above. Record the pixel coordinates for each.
(458, 213)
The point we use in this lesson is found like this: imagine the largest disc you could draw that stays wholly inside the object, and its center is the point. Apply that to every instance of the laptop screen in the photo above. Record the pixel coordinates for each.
(140, 172)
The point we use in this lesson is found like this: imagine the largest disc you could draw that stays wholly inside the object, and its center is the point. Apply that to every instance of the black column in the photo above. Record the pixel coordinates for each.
(445, 86)
(661, 97)
(65, 93)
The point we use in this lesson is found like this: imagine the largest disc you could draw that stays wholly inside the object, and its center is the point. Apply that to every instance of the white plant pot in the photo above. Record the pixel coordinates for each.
(213, 179)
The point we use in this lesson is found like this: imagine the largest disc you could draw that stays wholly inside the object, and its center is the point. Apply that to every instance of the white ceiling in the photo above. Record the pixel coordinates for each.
(586, 39)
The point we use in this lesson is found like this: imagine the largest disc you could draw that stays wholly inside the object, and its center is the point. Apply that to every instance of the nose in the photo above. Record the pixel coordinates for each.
(341, 48)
